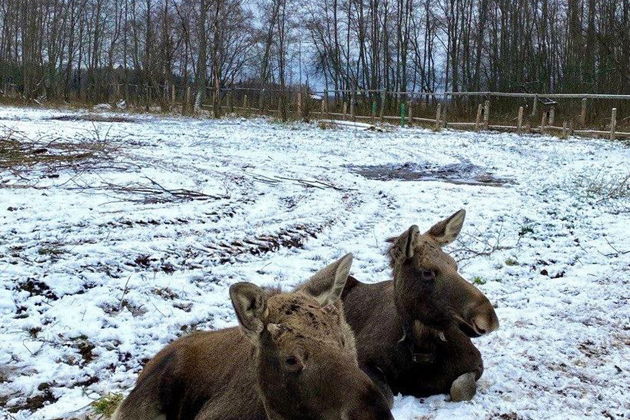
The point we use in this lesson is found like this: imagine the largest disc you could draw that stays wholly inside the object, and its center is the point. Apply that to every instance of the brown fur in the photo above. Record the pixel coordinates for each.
(289, 359)
(401, 324)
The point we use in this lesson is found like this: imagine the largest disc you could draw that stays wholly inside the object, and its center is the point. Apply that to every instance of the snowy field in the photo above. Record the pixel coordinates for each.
(106, 260)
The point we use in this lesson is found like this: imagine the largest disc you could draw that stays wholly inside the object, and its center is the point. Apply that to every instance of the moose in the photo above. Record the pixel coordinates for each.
(292, 356)
(413, 332)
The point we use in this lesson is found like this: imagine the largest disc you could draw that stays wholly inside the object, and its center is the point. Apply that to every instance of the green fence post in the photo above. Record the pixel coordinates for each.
(374, 108)
(403, 113)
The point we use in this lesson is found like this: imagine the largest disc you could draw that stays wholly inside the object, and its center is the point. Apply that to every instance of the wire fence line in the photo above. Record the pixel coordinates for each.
(563, 114)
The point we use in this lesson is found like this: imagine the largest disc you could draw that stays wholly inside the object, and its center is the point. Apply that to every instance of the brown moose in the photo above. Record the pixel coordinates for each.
(413, 333)
(293, 356)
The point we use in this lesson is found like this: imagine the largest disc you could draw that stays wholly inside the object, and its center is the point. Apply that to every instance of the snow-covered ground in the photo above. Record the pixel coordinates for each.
(100, 267)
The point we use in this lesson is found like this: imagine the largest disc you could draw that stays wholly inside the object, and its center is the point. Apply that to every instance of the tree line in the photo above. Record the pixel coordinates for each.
(81, 49)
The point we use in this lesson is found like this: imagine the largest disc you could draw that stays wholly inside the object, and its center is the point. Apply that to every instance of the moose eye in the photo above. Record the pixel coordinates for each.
(293, 364)
(427, 275)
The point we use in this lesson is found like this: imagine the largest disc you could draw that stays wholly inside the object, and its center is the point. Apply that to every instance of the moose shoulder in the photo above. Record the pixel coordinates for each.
(288, 358)
(413, 332)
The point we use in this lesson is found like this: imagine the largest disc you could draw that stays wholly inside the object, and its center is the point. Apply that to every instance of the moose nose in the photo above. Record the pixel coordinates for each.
(485, 323)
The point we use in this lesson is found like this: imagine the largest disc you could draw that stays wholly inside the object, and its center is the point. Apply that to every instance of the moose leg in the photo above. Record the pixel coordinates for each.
(464, 387)
(463, 366)
(456, 367)
(377, 376)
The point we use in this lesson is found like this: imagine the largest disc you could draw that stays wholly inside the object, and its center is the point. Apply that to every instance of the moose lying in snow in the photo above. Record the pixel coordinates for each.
(412, 333)
(292, 357)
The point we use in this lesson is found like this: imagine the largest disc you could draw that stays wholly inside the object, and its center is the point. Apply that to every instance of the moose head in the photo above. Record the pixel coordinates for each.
(305, 358)
(427, 286)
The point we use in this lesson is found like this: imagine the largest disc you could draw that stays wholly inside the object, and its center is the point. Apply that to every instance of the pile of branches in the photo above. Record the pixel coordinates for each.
(147, 193)
(19, 154)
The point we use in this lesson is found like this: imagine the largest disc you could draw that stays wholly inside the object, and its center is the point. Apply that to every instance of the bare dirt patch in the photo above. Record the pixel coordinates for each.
(94, 118)
(462, 172)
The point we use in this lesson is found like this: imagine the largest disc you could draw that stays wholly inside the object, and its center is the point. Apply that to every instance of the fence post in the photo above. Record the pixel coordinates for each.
(543, 123)
(552, 115)
(445, 109)
(229, 101)
(437, 117)
(261, 103)
(410, 113)
(535, 106)
(299, 104)
(519, 123)
(571, 127)
(147, 93)
(478, 119)
(402, 114)
(374, 106)
(564, 129)
(216, 102)
(325, 102)
(583, 113)
(444, 113)
(613, 123)
(186, 99)
(352, 101)
(486, 114)
(382, 112)
(173, 94)
(345, 109)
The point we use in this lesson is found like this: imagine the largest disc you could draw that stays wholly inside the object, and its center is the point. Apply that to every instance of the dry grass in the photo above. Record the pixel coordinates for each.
(19, 153)
(604, 186)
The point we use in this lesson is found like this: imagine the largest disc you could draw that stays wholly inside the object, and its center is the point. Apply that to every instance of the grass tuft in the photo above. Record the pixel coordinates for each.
(511, 262)
(106, 405)
(478, 280)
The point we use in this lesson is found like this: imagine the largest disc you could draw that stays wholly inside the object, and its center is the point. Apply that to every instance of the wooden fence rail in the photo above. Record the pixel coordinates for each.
(479, 110)
(329, 104)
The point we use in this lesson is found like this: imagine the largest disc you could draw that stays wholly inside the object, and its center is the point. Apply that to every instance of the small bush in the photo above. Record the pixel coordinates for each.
(478, 280)
(604, 186)
(525, 230)
(107, 404)
(511, 261)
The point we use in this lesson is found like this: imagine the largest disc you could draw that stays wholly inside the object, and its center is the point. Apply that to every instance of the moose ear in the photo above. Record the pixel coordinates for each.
(327, 284)
(404, 245)
(250, 304)
(410, 240)
(447, 230)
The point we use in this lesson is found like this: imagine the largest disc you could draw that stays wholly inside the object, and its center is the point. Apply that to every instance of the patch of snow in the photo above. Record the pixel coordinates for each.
(97, 274)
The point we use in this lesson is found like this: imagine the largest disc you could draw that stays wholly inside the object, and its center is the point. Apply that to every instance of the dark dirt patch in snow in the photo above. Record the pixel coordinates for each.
(291, 237)
(94, 118)
(463, 172)
(37, 288)
(45, 396)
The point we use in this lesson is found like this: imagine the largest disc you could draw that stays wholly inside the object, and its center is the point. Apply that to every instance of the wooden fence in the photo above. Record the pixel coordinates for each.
(586, 114)
(541, 115)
